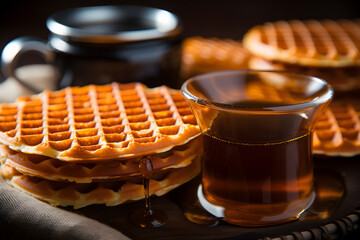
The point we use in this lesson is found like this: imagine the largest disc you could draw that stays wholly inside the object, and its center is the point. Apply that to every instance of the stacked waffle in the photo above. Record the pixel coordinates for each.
(84, 145)
(325, 49)
(337, 131)
(202, 55)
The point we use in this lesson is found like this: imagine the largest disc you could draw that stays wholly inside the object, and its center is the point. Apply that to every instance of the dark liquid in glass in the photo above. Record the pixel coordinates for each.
(259, 168)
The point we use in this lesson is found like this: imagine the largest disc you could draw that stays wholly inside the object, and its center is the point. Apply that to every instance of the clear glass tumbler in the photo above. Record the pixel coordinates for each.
(257, 130)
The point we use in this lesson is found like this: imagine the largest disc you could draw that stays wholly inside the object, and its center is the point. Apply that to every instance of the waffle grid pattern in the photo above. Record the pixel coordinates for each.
(337, 131)
(259, 91)
(56, 170)
(324, 43)
(98, 122)
(110, 193)
(201, 55)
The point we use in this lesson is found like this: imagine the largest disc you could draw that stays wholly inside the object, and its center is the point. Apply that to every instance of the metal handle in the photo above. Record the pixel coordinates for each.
(16, 48)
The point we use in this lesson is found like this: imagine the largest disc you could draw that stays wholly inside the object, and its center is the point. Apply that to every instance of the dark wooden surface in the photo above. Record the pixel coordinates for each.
(341, 172)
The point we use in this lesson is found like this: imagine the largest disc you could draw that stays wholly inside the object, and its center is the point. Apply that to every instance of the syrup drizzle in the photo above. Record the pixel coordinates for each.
(148, 217)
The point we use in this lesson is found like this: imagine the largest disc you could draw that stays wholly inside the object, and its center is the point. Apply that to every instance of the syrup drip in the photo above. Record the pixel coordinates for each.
(148, 217)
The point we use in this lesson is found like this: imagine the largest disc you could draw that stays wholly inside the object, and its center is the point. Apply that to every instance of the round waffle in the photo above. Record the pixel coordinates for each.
(337, 129)
(202, 55)
(308, 43)
(116, 121)
(57, 170)
(110, 193)
(341, 79)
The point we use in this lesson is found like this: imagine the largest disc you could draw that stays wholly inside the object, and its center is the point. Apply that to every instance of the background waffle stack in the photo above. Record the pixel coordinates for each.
(325, 49)
(202, 55)
(84, 145)
(337, 131)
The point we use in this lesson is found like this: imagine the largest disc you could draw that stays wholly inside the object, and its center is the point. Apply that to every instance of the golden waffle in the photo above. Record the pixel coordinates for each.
(56, 170)
(309, 43)
(202, 55)
(337, 129)
(341, 79)
(110, 193)
(98, 122)
(271, 92)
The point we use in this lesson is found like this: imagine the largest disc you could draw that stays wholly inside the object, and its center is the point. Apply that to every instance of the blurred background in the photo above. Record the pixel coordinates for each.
(224, 18)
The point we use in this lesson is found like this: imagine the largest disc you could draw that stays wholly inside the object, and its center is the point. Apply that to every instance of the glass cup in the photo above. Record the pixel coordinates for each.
(257, 130)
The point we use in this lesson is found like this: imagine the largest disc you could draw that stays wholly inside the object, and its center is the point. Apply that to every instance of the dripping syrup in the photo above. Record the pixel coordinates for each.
(148, 217)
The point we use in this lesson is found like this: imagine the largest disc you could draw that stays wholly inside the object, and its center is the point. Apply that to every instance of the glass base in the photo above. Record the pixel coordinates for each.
(250, 214)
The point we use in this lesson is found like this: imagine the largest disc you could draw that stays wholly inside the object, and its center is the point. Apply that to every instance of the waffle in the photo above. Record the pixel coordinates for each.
(110, 193)
(270, 89)
(116, 121)
(337, 129)
(202, 55)
(341, 79)
(307, 43)
(56, 170)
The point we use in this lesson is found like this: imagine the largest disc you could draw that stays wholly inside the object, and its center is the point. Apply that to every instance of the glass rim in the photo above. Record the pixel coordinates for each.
(323, 98)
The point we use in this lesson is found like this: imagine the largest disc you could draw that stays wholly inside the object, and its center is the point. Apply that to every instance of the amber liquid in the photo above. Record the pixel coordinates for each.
(148, 217)
(258, 182)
